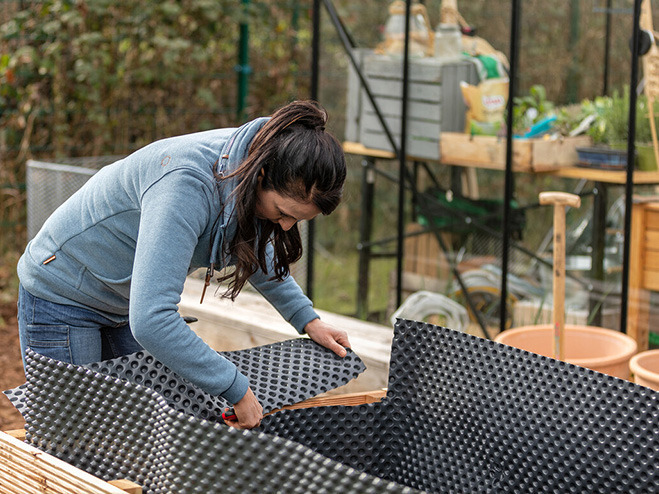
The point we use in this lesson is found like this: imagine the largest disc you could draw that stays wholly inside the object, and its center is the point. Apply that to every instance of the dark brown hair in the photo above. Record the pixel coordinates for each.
(299, 159)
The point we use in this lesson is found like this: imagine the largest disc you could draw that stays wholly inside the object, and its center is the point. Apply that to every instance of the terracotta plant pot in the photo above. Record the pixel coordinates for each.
(600, 349)
(645, 367)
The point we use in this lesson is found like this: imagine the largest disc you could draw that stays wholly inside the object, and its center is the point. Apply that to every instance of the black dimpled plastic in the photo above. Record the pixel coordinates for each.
(280, 374)
(113, 428)
(464, 414)
(17, 397)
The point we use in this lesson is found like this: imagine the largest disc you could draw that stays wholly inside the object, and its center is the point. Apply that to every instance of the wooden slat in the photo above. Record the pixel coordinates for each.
(359, 149)
(549, 155)
(350, 399)
(639, 298)
(652, 260)
(651, 280)
(126, 486)
(652, 220)
(651, 240)
(29, 470)
(17, 433)
(483, 151)
(606, 176)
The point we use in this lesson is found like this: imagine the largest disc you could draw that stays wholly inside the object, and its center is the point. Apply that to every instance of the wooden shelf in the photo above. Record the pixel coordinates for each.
(607, 176)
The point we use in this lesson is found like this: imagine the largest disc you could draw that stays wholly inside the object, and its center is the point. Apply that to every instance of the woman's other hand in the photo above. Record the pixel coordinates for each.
(328, 336)
(249, 412)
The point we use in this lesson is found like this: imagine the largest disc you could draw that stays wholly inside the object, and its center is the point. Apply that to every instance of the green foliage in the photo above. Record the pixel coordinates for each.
(612, 117)
(106, 77)
(101, 77)
(531, 108)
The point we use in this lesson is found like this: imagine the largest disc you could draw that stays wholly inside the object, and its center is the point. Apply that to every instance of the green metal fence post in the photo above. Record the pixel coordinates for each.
(243, 67)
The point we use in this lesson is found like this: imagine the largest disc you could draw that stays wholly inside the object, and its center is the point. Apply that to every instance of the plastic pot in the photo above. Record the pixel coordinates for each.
(645, 367)
(599, 349)
(645, 158)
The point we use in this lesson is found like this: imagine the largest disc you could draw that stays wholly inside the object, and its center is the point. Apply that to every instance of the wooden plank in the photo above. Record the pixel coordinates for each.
(651, 239)
(607, 176)
(651, 219)
(651, 280)
(462, 149)
(552, 154)
(538, 155)
(40, 472)
(651, 260)
(348, 399)
(638, 300)
(126, 486)
(17, 433)
(359, 149)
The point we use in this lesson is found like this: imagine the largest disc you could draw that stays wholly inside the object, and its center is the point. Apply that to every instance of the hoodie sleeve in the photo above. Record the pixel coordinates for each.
(175, 212)
(286, 296)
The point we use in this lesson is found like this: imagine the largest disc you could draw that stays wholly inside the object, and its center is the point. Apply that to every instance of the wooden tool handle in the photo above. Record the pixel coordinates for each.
(560, 199)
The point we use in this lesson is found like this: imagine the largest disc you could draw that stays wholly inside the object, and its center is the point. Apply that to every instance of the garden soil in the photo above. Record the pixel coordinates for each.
(11, 368)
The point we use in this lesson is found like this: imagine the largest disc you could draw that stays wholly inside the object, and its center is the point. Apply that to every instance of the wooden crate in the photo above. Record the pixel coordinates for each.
(529, 155)
(435, 102)
(643, 269)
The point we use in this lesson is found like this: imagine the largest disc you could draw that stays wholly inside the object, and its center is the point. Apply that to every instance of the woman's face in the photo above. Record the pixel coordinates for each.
(273, 206)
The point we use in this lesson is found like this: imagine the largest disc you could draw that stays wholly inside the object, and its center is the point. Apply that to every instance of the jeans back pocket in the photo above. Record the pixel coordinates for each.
(50, 340)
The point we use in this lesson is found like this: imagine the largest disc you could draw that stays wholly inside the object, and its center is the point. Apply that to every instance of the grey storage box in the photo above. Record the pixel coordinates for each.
(435, 102)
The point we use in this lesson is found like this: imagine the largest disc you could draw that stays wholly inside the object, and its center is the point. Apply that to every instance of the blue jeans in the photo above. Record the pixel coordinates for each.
(70, 334)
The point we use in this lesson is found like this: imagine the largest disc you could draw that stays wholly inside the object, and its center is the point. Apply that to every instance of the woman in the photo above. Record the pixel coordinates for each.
(104, 275)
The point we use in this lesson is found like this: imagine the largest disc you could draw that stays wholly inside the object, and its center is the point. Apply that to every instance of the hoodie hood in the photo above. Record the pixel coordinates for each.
(233, 153)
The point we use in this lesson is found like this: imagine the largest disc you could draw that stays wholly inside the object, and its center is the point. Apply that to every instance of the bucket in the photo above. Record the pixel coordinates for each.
(645, 367)
(599, 349)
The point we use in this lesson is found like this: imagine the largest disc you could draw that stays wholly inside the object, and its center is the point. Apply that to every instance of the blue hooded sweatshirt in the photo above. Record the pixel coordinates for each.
(124, 243)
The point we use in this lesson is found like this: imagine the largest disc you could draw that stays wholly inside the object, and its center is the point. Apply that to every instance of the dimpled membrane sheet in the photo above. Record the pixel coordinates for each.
(113, 428)
(468, 415)
(280, 374)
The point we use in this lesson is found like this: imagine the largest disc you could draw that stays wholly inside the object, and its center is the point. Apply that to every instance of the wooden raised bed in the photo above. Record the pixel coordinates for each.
(25, 469)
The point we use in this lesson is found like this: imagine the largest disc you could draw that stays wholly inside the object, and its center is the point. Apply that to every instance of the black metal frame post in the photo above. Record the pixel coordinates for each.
(315, 77)
(598, 239)
(508, 183)
(607, 49)
(365, 230)
(629, 185)
(402, 159)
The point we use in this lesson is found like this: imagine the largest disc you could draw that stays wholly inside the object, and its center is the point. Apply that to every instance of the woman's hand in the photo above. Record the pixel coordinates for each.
(249, 412)
(328, 336)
